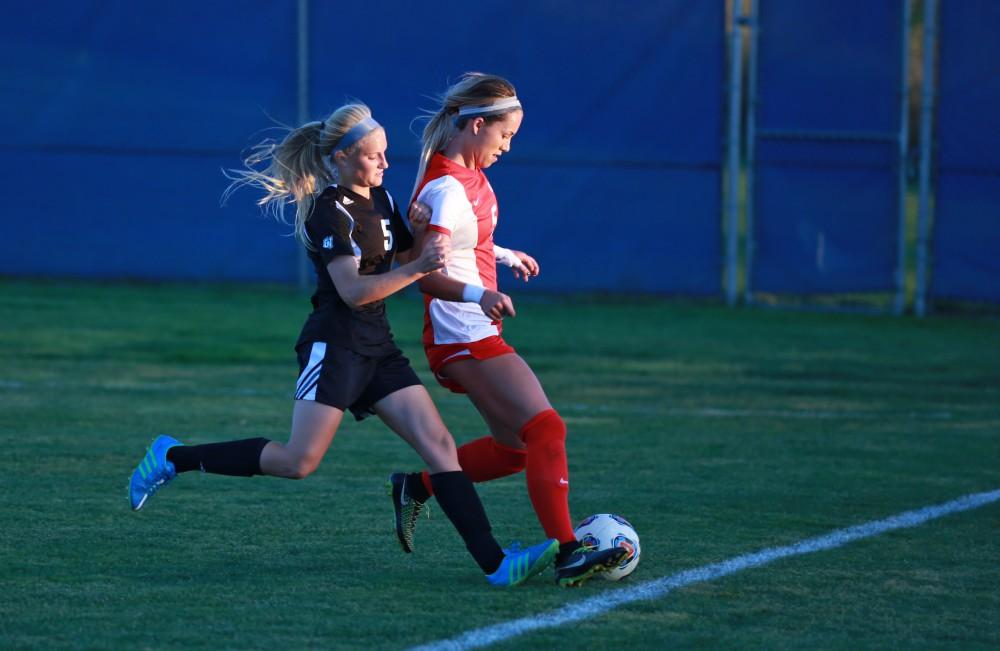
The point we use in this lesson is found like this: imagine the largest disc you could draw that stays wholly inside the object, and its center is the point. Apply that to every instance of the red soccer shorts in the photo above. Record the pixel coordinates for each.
(440, 355)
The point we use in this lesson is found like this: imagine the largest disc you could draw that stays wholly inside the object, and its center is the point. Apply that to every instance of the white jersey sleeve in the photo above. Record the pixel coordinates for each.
(448, 203)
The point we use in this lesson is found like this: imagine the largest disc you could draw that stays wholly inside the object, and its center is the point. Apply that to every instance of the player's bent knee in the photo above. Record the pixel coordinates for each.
(440, 447)
(436, 437)
(445, 444)
(302, 467)
(546, 426)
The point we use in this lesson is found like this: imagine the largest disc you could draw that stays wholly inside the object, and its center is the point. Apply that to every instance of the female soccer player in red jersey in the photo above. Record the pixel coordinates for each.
(478, 118)
(332, 171)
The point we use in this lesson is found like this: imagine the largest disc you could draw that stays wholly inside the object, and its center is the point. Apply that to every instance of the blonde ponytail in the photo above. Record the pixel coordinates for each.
(298, 168)
(473, 89)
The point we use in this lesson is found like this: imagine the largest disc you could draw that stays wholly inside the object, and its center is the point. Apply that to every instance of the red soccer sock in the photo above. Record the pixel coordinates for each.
(484, 459)
(548, 473)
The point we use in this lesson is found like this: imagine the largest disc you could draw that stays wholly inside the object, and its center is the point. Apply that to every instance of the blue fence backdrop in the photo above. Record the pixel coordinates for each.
(966, 234)
(826, 155)
(121, 115)
(124, 114)
(119, 119)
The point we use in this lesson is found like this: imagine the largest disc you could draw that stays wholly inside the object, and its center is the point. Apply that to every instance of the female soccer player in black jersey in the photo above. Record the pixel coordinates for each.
(332, 171)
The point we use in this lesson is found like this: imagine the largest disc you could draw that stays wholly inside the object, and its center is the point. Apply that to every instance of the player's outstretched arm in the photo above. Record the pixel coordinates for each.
(358, 290)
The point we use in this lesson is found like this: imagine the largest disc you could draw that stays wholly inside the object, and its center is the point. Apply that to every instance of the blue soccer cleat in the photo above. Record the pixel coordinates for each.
(519, 565)
(153, 472)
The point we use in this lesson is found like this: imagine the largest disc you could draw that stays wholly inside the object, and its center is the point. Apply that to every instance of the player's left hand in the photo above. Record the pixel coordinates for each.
(496, 305)
(528, 267)
(420, 216)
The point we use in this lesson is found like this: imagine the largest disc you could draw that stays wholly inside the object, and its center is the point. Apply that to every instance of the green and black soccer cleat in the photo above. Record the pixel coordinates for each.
(406, 510)
(583, 563)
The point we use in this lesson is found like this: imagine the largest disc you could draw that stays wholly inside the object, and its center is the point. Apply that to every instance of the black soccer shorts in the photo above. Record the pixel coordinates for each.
(341, 378)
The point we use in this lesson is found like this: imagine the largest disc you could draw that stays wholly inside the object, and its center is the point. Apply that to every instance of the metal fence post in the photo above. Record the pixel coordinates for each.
(302, 87)
(926, 142)
(750, 133)
(904, 141)
(735, 98)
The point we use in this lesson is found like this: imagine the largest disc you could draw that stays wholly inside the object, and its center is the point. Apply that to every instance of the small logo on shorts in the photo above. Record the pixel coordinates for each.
(328, 242)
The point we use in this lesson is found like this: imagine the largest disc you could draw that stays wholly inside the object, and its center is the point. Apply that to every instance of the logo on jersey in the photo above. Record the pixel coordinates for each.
(347, 201)
(328, 242)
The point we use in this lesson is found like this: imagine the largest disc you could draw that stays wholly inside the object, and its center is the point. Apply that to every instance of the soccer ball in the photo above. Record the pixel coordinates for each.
(607, 530)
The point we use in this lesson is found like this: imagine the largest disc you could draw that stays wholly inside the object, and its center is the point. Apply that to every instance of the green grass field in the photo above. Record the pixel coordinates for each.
(717, 432)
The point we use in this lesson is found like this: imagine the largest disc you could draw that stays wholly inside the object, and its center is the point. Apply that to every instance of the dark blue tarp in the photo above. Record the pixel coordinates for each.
(119, 118)
(966, 234)
(131, 109)
(613, 181)
(826, 193)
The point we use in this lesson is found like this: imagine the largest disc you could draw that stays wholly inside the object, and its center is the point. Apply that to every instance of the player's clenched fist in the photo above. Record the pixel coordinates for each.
(496, 305)
(419, 216)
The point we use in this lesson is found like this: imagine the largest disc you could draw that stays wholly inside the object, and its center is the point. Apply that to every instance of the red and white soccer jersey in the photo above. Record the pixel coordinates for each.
(463, 206)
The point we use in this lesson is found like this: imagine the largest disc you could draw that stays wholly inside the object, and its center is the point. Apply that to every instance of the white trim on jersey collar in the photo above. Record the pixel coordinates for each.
(505, 104)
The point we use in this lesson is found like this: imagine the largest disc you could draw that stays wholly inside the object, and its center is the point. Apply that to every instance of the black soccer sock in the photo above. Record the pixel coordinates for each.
(236, 458)
(460, 502)
(415, 487)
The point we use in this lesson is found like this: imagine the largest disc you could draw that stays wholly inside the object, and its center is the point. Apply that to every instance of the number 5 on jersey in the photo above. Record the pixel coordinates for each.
(388, 234)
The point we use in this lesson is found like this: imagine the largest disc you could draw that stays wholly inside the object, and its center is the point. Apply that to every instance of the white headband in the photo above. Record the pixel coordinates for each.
(505, 104)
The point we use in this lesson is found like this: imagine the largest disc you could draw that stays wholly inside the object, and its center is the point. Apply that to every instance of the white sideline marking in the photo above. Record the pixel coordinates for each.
(655, 589)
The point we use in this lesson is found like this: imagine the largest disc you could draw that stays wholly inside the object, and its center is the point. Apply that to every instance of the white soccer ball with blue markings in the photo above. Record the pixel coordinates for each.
(607, 530)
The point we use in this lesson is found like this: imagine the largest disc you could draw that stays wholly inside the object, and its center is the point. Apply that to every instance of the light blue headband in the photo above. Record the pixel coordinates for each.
(356, 133)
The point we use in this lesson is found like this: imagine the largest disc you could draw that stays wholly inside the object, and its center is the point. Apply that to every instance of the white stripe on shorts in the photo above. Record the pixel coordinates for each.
(305, 388)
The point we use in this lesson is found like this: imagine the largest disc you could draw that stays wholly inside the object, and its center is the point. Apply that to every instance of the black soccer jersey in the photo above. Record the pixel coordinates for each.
(371, 231)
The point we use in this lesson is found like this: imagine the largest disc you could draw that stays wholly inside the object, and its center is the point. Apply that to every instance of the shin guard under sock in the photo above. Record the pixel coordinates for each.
(236, 458)
(482, 460)
(547, 473)
(460, 502)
